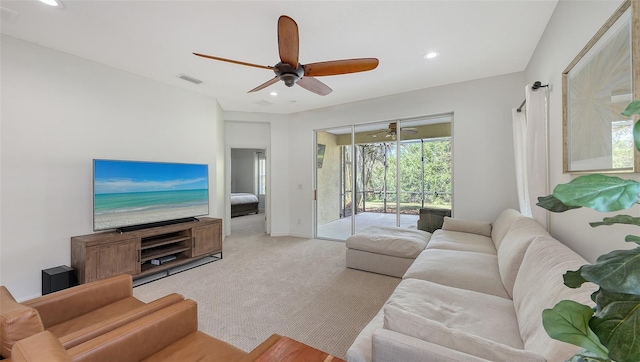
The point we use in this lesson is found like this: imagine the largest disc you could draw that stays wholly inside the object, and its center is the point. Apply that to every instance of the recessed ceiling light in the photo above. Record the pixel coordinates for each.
(274, 93)
(55, 3)
(431, 55)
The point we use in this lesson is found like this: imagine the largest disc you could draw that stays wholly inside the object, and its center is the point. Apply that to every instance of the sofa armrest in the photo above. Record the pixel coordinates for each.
(70, 303)
(17, 321)
(93, 331)
(390, 346)
(39, 347)
(262, 348)
(141, 338)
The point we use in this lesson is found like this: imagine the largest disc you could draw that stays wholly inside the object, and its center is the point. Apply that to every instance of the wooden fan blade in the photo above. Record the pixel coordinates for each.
(273, 80)
(314, 85)
(411, 130)
(336, 67)
(376, 132)
(288, 41)
(233, 61)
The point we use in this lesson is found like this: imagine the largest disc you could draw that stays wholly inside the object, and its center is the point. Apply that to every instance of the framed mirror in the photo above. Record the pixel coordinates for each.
(596, 87)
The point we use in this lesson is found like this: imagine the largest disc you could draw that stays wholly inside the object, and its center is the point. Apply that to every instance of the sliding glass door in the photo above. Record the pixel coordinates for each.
(381, 174)
(334, 175)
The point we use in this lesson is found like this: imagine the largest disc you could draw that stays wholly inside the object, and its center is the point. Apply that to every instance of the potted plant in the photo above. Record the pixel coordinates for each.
(610, 331)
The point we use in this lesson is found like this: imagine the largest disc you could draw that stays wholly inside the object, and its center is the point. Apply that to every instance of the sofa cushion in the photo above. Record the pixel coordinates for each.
(475, 313)
(70, 303)
(17, 322)
(377, 263)
(539, 285)
(456, 240)
(197, 346)
(116, 320)
(119, 308)
(502, 224)
(513, 246)
(389, 240)
(414, 325)
(460, 269)
(467, 226)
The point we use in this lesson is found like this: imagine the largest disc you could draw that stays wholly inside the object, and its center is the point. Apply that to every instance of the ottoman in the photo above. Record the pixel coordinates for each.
(385, 250)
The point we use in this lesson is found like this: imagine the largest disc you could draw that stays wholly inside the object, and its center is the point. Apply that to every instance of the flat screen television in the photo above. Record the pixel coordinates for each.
(129, 195)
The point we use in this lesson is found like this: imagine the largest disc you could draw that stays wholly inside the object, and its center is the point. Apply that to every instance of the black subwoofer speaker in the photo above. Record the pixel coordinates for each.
(58, 278)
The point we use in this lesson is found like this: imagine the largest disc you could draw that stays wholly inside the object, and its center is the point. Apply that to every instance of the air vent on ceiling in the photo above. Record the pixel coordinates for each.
(190, 79)
(8, 16)
(263, 103)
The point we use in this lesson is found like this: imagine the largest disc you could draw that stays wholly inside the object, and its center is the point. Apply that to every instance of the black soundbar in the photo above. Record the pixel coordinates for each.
(125, 229)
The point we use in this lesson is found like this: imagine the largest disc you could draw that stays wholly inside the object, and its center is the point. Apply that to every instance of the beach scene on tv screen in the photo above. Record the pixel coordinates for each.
(132, 193)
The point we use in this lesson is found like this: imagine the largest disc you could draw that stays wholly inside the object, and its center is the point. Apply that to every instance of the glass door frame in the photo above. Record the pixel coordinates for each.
(353, 182)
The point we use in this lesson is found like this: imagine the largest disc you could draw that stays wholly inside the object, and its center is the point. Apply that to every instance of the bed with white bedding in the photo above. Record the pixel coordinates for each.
(243, 203)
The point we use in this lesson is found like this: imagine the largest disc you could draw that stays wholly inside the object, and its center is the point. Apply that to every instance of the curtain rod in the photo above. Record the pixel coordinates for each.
(537, 84)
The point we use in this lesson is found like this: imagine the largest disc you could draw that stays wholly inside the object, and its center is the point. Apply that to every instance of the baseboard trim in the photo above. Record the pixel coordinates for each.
(306, 236)
(295, 235)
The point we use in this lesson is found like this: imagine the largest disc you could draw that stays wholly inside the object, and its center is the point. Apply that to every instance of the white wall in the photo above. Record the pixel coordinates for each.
(484, 182)
(572, 25)
(243, 170)
(58, 113)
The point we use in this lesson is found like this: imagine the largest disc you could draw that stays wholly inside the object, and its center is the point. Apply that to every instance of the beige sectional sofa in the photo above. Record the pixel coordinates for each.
(476, 293)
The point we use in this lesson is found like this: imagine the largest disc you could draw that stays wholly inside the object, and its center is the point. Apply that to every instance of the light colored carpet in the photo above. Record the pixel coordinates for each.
(291, 286)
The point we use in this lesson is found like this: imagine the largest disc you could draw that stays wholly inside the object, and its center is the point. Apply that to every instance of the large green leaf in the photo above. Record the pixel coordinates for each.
(617, 325)
(618, 219)
(552, 204)
(599, 192)
(586, 356)
(636, 135)
(568, 321)
(617, 271)
(574, 279)
(632, 108)
(632, 239)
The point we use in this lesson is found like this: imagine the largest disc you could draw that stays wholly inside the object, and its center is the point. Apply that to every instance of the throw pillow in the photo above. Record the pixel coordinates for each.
(467, 226)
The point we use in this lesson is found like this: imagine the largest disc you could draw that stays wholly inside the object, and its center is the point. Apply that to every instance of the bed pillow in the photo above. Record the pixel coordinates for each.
(467, 226)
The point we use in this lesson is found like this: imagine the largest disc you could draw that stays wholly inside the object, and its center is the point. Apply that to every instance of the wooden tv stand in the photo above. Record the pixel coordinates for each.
(101, 255)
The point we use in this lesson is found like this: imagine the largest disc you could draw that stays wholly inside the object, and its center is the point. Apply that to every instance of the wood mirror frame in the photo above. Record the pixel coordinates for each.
(596, 87)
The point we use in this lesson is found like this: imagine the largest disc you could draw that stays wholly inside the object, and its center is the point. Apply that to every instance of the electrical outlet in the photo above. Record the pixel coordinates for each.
(298, 221)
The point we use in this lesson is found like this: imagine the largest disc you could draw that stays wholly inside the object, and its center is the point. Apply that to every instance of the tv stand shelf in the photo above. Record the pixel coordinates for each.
(162, 251)
(155, 242)
(101, 255)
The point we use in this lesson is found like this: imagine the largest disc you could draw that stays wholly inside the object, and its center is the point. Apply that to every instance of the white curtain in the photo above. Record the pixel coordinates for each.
(530, 144)
(519, 146)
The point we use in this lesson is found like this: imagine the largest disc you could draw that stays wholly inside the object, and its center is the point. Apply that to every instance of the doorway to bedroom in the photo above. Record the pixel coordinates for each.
(249, 184)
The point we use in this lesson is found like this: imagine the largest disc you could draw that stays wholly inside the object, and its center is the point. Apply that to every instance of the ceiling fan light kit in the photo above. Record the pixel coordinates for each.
(53, 3)
(431, 55)
(291, 72)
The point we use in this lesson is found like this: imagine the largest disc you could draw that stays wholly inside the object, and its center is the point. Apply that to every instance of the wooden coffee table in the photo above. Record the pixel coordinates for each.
(290, 350)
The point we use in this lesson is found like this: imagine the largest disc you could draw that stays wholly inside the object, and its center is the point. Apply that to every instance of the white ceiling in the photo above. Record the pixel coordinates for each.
(155, 39)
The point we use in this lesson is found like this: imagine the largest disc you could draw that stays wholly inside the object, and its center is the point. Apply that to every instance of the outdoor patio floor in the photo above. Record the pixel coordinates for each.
(341, 229)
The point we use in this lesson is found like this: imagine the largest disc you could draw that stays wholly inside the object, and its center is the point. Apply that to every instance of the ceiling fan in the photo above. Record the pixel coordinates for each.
(291, 72)
(392, 131)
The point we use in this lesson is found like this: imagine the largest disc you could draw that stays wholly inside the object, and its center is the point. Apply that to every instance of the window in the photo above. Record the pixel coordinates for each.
(262, 173)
